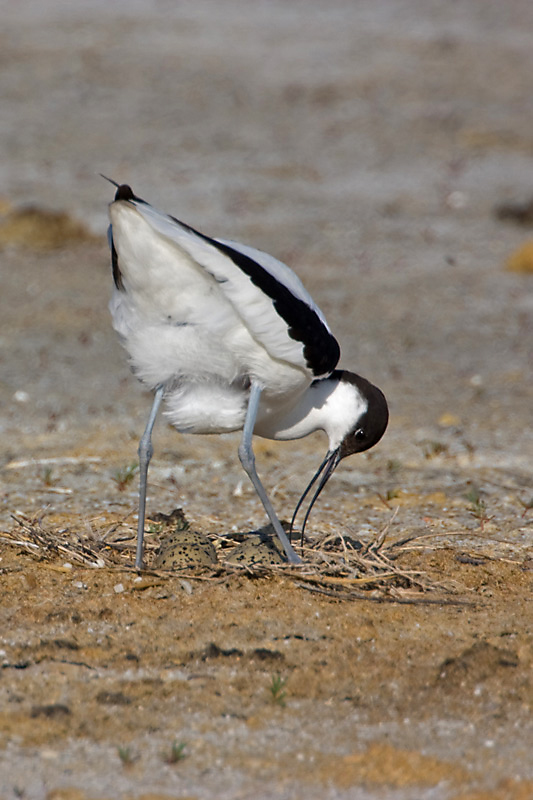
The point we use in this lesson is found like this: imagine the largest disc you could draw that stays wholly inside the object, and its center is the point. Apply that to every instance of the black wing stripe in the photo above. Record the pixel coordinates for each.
(124, 192)
(117, 274)
(321, 349)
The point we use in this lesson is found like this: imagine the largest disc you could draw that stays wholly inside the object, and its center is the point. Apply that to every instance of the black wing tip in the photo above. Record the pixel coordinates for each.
(124, 191)
(323, 356)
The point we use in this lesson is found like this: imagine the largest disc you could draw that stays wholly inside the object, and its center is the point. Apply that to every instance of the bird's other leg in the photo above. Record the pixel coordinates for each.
(247, 458)
(145, 454)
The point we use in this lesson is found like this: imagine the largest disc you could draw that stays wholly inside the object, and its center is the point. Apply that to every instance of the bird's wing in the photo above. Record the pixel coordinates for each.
(268, 297)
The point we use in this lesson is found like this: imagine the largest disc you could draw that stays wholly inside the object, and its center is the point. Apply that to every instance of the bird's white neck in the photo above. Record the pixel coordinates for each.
(331, 405)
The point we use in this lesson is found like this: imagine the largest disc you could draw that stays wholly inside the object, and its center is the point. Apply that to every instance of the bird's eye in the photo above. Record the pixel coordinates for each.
(360, 435)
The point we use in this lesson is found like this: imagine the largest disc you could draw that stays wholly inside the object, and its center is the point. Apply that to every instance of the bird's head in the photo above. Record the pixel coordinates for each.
(359, 418)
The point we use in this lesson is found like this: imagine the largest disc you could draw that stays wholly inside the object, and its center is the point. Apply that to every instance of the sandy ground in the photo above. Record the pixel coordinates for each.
(367, 146)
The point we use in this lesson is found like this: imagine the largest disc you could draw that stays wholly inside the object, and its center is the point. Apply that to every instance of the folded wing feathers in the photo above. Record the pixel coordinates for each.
(265, 293)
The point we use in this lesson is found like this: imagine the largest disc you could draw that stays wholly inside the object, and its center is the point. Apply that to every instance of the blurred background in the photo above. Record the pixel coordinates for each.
(383, 150)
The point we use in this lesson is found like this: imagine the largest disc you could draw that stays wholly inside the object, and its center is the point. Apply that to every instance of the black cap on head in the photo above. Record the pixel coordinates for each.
(373, 424)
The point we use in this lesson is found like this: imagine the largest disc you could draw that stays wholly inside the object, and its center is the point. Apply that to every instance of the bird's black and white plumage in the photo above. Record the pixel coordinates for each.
(231, 339)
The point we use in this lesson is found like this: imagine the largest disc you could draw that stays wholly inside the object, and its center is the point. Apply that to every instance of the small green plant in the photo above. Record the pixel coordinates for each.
(176, 753)
(126, 756)
(389, 495)
(478, 507)
(155, 527)
(393, 466)
(47, 477)
(124, 476)
(432, 448)
(277, 690)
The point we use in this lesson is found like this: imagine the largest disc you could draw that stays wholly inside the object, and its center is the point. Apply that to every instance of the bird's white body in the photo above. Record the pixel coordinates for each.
(194, 322)
(230, 339)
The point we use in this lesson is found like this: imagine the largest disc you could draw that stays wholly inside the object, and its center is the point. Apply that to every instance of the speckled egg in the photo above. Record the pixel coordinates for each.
(257, 550)
(185, 548)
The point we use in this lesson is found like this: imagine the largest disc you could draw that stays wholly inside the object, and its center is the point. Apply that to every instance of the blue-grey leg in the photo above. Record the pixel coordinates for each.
(145, 454)
(246, 455)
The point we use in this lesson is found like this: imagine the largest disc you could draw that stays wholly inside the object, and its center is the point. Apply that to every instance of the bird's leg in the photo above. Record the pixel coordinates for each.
(145, 454)
(247, 458)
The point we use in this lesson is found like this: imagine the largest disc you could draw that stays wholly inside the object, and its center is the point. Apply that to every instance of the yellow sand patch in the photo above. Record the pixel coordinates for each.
(507, 790)
(449, 420)
(521, 259)
(384, 765)
(40, 229)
